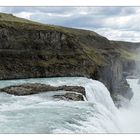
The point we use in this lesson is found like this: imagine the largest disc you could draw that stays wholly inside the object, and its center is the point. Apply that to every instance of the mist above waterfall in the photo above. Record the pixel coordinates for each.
(130, 116)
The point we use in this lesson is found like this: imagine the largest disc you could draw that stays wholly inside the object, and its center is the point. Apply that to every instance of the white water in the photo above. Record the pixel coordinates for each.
(130, 116)
(39, 114)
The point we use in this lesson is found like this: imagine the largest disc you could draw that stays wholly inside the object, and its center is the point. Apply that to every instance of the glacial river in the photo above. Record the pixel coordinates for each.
(40, 114)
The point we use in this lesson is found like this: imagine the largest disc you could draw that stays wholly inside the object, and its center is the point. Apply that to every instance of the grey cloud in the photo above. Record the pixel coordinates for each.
(38, 9)
(91, 10)
(72, 21)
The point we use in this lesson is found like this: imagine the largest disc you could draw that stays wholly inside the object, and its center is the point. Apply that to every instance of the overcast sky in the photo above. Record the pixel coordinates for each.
(115, 23)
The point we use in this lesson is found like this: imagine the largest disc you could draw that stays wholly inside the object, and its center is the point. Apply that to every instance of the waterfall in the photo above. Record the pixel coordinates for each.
(37, 114)
(98, 93)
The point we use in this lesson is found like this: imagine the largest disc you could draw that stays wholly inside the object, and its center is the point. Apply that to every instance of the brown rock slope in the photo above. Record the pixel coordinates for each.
(30, 49)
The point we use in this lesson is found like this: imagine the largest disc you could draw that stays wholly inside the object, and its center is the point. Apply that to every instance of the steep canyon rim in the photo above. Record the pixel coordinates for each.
(33, 50)
(29, 49)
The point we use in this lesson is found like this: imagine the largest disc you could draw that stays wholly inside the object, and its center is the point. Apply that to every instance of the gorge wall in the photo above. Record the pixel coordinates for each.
(29, 49)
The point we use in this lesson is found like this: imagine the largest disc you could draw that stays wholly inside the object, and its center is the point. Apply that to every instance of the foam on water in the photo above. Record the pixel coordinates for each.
(38, 114)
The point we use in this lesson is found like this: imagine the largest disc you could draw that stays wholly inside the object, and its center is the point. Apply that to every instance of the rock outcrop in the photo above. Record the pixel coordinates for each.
(35, 88)
(29, 49)
(70, 96)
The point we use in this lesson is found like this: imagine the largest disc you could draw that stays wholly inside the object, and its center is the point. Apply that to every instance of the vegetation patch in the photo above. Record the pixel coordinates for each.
(94, 55)
(129, 55)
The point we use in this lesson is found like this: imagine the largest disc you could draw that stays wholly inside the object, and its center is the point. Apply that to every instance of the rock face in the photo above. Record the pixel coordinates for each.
(35, 88)
(29, 49)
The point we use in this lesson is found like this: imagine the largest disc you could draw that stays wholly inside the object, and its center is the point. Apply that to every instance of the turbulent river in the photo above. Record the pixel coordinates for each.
(40, 114)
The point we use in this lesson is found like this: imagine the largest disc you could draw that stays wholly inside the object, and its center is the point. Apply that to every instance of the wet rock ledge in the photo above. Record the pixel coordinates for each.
(75, 93)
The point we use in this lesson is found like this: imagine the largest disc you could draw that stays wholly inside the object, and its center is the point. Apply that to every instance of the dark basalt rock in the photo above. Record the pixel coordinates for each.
(35, 88)
(70, 96)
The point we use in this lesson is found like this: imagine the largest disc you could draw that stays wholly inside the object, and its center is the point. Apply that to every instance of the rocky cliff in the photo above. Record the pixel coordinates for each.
(30, 49)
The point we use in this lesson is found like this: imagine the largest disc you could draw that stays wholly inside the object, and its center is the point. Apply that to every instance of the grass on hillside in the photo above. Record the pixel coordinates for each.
(129, 55)
(10, 20)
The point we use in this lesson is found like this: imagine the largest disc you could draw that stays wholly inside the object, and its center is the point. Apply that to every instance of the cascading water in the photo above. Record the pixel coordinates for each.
(38, 114)
(129, 117)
